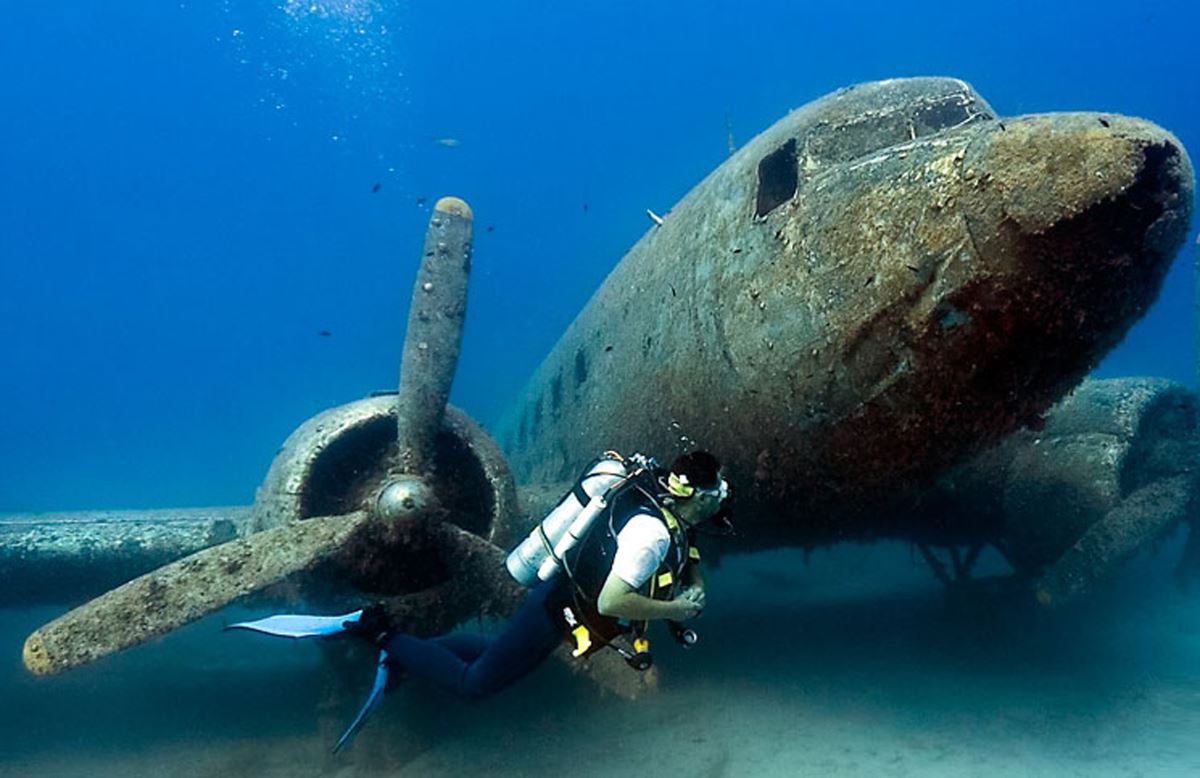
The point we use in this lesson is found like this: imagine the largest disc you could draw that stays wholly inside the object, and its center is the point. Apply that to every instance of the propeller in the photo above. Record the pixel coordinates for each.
(399, 495)
(374, 498)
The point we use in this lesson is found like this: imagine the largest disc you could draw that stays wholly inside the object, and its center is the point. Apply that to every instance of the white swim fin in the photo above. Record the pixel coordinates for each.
(377, 690)
(300, 625)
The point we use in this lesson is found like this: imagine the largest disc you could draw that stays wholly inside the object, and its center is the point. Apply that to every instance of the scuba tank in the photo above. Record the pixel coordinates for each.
(538, 557)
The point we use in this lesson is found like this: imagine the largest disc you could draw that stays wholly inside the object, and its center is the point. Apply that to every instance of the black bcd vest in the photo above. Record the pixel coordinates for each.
(588, 564)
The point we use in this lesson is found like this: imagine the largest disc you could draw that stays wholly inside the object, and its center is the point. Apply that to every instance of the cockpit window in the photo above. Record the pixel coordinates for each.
(864, 124)
(945, 114)
(778, 178)
(849, 138)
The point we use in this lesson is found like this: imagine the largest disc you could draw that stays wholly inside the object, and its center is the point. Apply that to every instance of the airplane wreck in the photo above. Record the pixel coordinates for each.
(889, 283)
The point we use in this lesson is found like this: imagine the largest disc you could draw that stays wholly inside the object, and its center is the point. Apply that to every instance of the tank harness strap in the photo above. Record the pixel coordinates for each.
(541, 531)
(672, 522)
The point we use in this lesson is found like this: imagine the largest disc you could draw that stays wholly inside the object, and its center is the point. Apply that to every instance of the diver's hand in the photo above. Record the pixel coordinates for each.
(690, 603)
(695, 594)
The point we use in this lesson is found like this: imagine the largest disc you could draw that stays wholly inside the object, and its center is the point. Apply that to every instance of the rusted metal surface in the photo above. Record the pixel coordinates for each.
(884, 282)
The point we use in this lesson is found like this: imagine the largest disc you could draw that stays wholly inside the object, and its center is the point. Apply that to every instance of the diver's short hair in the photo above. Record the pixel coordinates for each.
(702, 469)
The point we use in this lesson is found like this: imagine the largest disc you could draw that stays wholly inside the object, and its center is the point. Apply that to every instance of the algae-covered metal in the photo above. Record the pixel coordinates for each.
(58, 557)
(886, 280)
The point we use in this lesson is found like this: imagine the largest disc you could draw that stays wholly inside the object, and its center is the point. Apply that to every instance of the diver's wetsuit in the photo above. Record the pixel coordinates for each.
(476, 666)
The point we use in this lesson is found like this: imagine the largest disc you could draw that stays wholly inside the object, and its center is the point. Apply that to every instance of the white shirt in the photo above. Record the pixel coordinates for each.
(642, 545)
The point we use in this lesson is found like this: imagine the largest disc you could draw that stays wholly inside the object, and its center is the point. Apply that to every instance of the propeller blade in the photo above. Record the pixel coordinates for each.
(1139, 519)
(183, 591)
(434, 334)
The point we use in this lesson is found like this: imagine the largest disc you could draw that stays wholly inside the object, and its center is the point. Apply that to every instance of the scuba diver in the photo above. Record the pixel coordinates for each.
(614, 554)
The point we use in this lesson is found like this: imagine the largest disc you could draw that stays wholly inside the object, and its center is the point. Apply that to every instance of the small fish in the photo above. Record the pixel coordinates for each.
(420, 201)
(654, 217)
(585, 207)
(450, 143)
(324, 333)
(376, 187)
(491, 228)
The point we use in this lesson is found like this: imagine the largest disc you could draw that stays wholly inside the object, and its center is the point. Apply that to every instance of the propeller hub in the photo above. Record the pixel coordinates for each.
(406, 497)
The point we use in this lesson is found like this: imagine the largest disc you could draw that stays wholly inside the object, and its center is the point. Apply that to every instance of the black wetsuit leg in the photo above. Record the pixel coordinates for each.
(476, 666)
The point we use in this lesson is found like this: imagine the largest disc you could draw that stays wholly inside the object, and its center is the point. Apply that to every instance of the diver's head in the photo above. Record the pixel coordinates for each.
(696, 490)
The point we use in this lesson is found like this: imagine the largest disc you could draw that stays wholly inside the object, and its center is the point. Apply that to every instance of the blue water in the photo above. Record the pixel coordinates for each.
(188, 203)
(210, 217)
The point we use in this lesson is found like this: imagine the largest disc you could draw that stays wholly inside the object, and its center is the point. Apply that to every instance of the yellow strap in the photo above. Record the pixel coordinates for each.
(694, 554)
(583, 640)
(665, 579)
(641, 645)
(672, 522)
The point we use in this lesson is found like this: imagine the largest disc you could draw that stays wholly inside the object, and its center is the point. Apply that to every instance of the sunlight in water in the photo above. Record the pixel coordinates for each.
(342, 47)
(344, 10)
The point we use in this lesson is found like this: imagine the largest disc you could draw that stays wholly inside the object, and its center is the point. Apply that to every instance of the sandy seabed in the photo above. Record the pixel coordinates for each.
(845, 664)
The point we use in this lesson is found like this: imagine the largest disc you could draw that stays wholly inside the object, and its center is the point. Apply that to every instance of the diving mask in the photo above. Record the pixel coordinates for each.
(677, 485)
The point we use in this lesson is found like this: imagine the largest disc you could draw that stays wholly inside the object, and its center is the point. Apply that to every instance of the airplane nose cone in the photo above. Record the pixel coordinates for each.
(1075, 219)
(1088, 193)
(1033, 248)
